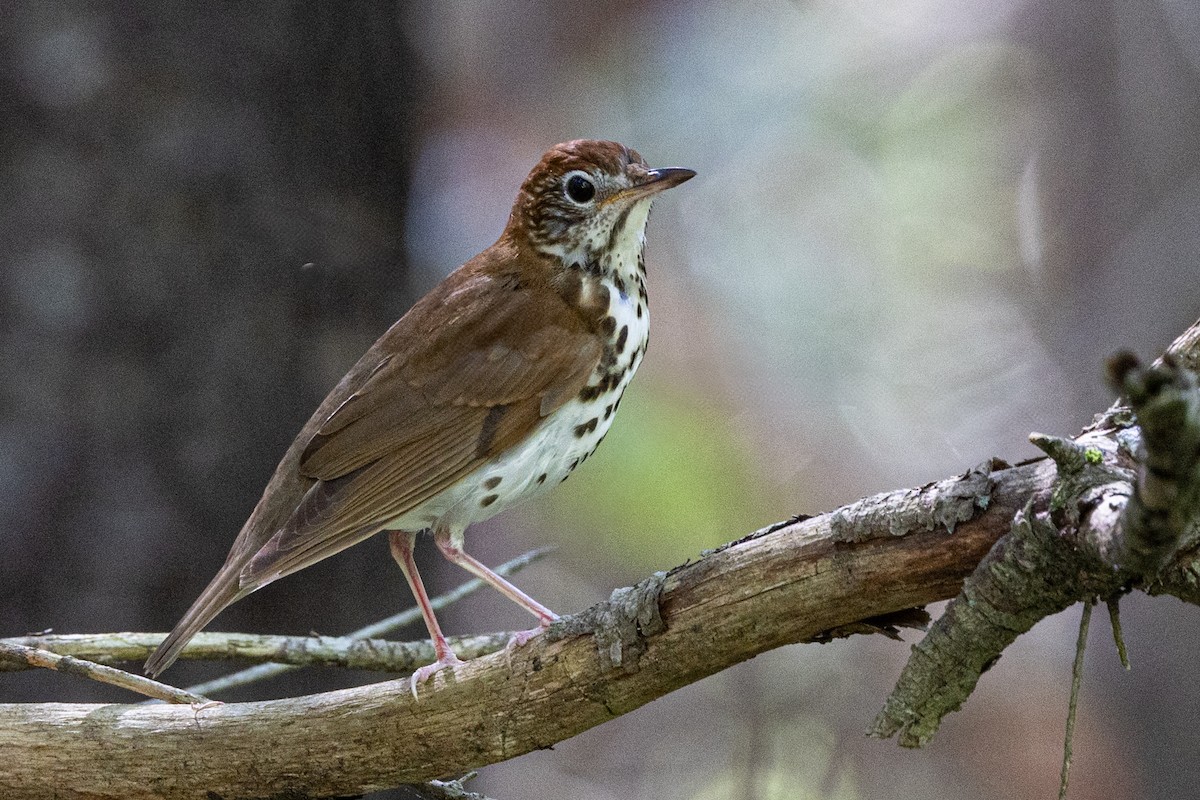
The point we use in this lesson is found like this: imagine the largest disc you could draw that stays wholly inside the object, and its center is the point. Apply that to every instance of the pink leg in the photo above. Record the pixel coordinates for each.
(401, 543)
(450, 544)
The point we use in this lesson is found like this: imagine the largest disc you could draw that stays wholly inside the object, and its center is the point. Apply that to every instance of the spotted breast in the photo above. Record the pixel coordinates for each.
(610, 291)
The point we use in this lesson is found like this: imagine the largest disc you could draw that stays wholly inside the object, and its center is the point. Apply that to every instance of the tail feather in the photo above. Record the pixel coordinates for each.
(220, 593)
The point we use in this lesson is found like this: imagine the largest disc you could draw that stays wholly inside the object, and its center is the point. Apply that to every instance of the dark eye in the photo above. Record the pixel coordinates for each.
(580, 189)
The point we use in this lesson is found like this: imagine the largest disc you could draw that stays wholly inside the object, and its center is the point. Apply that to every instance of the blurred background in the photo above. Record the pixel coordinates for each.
(918, 229)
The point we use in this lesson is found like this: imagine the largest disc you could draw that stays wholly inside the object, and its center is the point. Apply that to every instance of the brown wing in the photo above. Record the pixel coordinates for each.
(459, 387)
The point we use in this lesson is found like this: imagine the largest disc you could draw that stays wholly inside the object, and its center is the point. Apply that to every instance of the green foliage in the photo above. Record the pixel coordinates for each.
(671, 479)
(800, 762)
(951, 160)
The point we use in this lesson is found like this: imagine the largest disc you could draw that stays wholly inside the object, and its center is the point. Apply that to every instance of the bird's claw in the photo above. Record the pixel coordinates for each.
(521, 637)
(428, 671)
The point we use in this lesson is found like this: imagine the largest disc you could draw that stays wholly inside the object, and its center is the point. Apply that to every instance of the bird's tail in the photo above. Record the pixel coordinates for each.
(220, 593)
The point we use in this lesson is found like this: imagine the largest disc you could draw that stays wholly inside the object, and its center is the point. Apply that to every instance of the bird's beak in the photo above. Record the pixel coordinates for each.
(667, 177)
(655, 181)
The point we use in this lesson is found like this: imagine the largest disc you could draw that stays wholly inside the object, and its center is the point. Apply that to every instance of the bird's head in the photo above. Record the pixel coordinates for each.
(587, 201)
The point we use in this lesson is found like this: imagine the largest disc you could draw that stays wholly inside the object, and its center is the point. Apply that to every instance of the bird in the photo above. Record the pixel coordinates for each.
(491, 389)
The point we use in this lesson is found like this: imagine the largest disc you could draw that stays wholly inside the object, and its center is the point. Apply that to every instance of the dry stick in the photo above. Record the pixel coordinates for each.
(1076, 681)
(370, 655)
(98, 672)
(1114, 617)
(408, 616)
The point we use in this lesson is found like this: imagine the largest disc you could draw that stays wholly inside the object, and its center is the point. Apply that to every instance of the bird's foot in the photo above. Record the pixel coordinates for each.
(428, 671)
(521, 637)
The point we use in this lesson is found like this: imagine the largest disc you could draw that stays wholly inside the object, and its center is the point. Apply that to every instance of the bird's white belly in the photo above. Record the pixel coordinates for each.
(560, 443)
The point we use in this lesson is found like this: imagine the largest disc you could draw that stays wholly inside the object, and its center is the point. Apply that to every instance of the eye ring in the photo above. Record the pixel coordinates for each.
(579, 187)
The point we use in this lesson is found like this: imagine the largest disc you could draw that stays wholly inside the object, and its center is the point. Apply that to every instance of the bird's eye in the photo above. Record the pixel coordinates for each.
(580, 189)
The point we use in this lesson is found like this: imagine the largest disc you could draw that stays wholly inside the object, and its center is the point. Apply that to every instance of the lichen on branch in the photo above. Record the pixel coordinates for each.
(1163, 510)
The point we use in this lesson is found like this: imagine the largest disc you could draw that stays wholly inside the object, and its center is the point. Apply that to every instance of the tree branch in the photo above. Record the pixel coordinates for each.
(800, 581)
(775, 587)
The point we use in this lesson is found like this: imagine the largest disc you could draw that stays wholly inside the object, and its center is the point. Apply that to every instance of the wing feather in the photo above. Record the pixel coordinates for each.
(425, 417)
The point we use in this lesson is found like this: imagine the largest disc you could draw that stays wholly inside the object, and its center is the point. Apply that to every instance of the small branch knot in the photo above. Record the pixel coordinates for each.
(621, 625)
(1069, 455)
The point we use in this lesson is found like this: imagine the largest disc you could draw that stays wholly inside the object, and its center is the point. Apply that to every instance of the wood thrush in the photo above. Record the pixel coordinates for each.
(493, 387)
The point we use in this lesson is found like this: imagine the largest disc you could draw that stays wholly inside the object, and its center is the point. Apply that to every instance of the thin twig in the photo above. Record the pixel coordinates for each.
(98, 672)
(1076, 681)
(314, 650)
(350, 652)
(1114, 616)
(408, 616)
